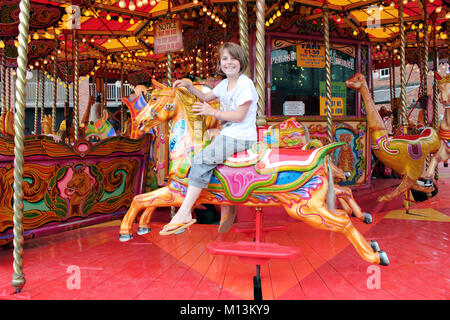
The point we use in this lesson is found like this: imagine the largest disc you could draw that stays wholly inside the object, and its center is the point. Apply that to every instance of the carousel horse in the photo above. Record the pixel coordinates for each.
(7, 123)
(296, 180)
(444, 132)
(100, 129)
(404, 154)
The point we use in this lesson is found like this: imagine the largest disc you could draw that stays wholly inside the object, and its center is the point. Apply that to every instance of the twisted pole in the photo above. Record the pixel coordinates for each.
(425, 61)
(435, 91)
(36, 107)
(3, 71)
(55, 84)
(326, 26)
(260, 63)
(243, 29)
(402, 68)
(169, 69)
(18, 280)
(76, 100)
(43, 98)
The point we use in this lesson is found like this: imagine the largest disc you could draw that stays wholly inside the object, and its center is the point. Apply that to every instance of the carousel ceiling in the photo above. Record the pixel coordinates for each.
(116, 36)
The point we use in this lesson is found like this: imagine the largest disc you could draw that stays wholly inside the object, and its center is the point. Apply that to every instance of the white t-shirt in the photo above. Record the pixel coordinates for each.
(229, 100)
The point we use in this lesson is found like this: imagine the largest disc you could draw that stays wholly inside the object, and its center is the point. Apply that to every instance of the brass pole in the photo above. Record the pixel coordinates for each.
(425, 60)
(122, 106)
(326, 26)
(402, 68)
(243, 29)
(169, 69)
(18, 280)
(55, 85)
(36, 107)
(3, 71)
(435, 90)
(260, 63)
(76, 82)
(43, 98)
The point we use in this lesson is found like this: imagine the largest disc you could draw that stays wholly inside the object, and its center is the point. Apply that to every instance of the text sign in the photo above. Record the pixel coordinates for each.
(168, 37)
(338, 99)
(293, 108)
(311, 54)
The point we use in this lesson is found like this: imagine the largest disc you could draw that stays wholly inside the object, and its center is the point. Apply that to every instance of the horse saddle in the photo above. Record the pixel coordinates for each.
(261, 167)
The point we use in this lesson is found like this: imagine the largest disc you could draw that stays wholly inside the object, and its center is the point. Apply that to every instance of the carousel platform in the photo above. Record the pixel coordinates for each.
(179, 267)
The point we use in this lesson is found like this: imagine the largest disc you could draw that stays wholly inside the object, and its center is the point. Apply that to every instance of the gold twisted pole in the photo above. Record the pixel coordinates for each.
(43, 98)
(169, 69)
(425, 62)
(243, 29)
(326, 33)
(260, 63)
(402, 67)
(18, 280)
(8, 79)
(36, 107)
(122, 105)
(3, 71)
(76, 83)
(435, 91)
(55, 85)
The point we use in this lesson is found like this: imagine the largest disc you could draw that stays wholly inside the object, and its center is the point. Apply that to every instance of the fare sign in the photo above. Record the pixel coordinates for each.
(168, 37)
(311, 54)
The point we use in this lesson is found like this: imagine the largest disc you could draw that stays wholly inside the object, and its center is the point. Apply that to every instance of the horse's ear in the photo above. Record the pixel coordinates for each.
(158, 85)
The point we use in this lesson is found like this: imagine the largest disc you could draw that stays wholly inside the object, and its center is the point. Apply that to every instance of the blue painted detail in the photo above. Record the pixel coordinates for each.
(286, 177)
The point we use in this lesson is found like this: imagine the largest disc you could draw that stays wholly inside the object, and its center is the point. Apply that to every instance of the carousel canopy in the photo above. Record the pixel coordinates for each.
(116, 36)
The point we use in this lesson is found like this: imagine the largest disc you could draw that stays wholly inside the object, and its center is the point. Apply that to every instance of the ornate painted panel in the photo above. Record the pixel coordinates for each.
(352, 157)
(67, 187)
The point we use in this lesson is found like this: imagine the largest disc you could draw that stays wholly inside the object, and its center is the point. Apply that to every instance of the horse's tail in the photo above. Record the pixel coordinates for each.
(331, 194)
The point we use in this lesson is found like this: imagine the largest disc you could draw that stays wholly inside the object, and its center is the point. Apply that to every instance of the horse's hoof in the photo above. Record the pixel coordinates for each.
(367, 218)
(125, 237)
(384, 261)
(374, 245)
(142, 230)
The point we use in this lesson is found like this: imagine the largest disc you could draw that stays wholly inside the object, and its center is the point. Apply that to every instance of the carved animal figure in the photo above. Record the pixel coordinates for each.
(403, 154)
(443, 153)
(7, 123)
(296, 180)
(77, 189)
(99, 130)
(345, 159)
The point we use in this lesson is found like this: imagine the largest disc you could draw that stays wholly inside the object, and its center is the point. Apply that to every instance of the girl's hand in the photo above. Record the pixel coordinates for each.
(187, 83)
(203, 109)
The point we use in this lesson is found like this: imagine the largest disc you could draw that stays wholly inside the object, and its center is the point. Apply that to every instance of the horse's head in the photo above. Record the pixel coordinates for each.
(164, 105)
(355, 81)
(444, 89)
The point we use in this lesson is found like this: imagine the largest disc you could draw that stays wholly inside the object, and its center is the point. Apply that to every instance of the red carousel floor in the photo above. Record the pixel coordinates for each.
(178, 267)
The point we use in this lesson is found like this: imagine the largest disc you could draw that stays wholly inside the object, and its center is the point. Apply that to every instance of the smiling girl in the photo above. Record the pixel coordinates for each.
(238, 103)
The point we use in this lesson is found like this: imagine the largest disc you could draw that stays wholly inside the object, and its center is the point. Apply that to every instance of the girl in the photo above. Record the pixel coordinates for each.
(238, 103)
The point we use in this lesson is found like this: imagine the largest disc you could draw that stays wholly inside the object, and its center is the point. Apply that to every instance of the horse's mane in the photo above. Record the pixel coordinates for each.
(445, 79)
(187, 99)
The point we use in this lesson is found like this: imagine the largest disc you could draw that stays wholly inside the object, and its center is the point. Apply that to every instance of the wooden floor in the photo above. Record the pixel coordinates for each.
(179, 268)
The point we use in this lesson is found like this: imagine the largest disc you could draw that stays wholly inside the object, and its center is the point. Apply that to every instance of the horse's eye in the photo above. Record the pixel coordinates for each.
(154, 98)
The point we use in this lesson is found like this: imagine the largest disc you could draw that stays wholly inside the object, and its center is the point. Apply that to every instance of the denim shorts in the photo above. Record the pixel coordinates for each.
(204, 162)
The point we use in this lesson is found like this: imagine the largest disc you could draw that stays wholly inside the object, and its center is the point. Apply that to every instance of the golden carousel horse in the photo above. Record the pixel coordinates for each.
(404, 154)
(443, 153)
(7, 123)
(295, 179)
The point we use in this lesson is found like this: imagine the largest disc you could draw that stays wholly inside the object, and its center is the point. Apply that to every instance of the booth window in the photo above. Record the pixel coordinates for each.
(298, 78)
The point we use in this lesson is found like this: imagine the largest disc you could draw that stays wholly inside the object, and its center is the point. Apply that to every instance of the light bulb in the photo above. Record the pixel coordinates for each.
(131, 6)
(122, 4)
